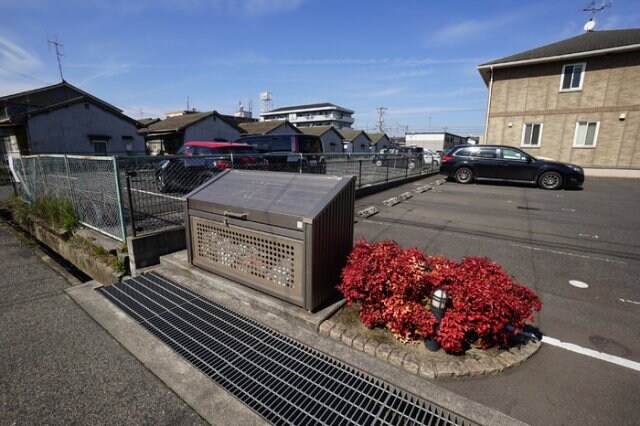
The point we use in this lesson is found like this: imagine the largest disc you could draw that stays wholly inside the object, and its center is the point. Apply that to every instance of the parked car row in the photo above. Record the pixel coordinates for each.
(196, 162)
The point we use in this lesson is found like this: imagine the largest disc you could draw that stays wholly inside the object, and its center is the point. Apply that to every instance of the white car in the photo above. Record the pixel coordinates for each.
(431, 158)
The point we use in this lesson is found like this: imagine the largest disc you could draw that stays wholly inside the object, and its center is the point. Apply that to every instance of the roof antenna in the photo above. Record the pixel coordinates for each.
(591, 23)
(58, 47)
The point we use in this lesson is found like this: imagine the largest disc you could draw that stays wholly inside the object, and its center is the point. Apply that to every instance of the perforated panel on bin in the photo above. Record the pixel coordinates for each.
(285, 234)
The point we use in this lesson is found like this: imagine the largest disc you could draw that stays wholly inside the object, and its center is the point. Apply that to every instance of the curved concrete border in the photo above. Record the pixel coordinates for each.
(480, 365)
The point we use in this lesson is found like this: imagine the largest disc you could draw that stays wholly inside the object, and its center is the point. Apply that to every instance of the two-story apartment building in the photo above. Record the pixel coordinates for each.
(577, 100)
(323, 114)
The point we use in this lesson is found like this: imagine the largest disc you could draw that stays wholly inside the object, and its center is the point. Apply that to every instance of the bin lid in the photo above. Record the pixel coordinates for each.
(303, 196)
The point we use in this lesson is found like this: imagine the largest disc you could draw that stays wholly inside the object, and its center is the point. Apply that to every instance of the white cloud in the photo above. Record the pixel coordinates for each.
(470, 29)
(15, 58)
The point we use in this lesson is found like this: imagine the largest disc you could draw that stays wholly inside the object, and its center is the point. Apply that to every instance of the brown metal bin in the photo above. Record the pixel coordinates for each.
(284, 234)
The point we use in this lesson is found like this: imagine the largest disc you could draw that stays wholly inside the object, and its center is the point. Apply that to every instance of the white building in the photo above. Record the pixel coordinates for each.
(435, 141)
(324, 114)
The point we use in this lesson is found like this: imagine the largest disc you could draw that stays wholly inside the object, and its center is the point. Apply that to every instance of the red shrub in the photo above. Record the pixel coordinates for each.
(394, 287)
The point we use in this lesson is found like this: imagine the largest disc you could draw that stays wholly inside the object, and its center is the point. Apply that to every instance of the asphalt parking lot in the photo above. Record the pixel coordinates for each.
(545, 239)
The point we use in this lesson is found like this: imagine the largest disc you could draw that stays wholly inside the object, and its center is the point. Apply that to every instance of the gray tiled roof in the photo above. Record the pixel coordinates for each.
(263, 127)
(584, 43)
(352, 134)
(179, 122)
(317, 130)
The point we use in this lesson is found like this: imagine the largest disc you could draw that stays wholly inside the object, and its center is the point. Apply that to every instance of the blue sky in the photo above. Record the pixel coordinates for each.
(416, 58)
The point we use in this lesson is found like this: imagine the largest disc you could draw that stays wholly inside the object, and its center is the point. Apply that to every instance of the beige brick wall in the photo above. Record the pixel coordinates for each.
(532, 94)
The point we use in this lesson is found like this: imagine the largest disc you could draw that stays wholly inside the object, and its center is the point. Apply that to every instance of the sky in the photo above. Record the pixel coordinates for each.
(413, 60)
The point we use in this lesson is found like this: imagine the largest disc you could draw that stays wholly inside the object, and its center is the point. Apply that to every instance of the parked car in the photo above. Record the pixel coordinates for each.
(431, 158)
(506, 163)
(289, 152)
(402, 157)
(196, 162)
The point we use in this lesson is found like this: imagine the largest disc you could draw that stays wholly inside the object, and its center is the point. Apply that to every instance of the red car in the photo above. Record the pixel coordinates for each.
(197, 161)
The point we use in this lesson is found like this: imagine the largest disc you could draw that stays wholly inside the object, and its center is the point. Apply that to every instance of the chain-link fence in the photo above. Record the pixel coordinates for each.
(89, 183)
(155, 187)
(137, 195)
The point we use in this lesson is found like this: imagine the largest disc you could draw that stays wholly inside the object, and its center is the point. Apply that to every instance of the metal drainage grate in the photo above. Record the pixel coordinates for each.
(279, 378)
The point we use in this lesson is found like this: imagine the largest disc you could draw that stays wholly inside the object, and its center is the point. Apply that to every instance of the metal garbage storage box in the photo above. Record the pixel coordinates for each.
(285, 234)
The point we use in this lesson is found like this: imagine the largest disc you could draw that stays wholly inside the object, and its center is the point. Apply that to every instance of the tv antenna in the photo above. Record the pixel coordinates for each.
(594, 10)
(58, 46)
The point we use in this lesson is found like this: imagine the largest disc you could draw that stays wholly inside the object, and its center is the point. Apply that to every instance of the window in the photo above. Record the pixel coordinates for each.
(572, 76)
(586, 134)
(487, 153)
(512, 154)
(531, 134)
(100, 147)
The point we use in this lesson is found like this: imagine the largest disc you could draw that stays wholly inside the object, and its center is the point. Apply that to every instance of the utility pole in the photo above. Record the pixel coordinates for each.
(381, 111)
(58, 47)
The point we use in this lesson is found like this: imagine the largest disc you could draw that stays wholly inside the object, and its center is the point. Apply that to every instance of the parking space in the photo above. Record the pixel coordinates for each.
(548, 240)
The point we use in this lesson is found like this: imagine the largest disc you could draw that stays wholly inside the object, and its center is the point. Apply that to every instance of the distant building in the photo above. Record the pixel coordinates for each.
(323, 114)
(355, 141)
(379, 141)
(330, 137)
(268, 128)
(435, 141)
(166, 136)
(576, 100)
(62, 119)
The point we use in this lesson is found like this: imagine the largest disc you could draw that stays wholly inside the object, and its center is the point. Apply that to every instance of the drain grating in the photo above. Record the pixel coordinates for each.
(279, 378)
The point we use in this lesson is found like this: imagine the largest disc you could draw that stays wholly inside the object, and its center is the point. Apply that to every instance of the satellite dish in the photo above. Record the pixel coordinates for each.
(590, 25)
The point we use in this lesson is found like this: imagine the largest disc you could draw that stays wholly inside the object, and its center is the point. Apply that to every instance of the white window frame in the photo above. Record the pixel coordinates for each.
(582, 144)
(528, 144)
(573, 89)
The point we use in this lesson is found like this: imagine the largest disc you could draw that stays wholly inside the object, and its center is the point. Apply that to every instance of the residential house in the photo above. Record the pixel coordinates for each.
(577, 100)
(355, 141)
(435, 141)
(379, 141)
(330, 137)
(280, 127)
(62, 119)
(166, 136)
(311, 115)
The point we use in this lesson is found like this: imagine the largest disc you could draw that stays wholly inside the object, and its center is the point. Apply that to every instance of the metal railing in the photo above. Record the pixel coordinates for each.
(121, 196)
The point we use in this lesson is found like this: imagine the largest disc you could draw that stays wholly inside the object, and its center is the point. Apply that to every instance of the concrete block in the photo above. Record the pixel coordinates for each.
(370, 347)
(336, 332)
(411, 363)
(325, 327)
(359, 342)
(369, 211)
(427, 369)
(348, 337)
(396, 357)
(391, 201)
(383, 351)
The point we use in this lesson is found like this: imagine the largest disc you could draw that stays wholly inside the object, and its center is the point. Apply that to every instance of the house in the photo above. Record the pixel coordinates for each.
(62, 119)
(311, 115)
(435, 141)
(577, 100)
(166, 136)
(268, 127)
(355, 141)
(330, 137)
(379, 141)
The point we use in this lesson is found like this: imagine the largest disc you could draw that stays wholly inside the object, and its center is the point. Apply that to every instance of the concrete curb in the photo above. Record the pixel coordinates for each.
(476, 363)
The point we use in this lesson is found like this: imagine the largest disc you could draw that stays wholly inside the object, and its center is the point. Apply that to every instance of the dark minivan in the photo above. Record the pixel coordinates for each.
(508, 164)
(289, 153)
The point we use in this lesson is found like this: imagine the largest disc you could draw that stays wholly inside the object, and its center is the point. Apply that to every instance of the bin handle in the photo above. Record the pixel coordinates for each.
(236, 215)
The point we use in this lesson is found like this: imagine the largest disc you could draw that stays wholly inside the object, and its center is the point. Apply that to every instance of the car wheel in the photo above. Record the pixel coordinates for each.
(464, 175)
(161, 183)
(550, 180)
(379, 163)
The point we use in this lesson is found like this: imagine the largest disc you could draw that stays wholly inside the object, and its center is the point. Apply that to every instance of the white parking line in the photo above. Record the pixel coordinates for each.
(591, 353)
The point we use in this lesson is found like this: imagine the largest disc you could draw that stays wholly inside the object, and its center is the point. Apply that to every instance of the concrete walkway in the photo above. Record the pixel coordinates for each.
(57, 365)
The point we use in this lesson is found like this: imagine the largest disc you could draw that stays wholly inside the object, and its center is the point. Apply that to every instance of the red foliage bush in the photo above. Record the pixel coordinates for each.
(394, 286)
